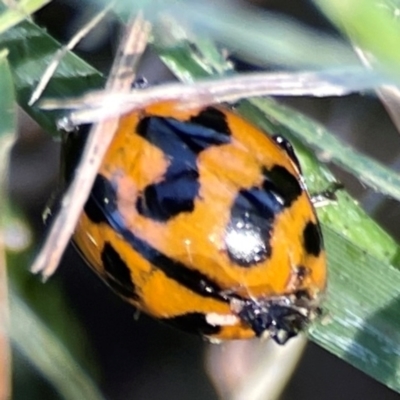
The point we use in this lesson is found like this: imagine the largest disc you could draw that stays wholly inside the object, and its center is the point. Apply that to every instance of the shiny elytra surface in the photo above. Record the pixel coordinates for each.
(193, 207)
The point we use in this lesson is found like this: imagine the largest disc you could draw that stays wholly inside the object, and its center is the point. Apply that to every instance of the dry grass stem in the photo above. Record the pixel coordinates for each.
(100, 137)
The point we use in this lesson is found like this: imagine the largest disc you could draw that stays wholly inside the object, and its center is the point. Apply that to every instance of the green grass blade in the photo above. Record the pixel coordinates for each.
(38, 344)
(28, 333)
(7, 116)
(30, 51)
(367, 170)
(345, 216)
(7, 137)
(258, 34)
(363, 321)
(40, 330)
(370, 24)
(248, 31)
(10, 17)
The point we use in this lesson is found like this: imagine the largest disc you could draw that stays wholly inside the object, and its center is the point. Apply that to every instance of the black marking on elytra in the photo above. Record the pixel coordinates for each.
(181, 142)
(117, 272)
(103, 199)
(99, 200)
(176, 138)
(248, 232)
(212, 118)
(288, 148)
(174, 195)
(193, 323)
(285, 186)
(312, 239)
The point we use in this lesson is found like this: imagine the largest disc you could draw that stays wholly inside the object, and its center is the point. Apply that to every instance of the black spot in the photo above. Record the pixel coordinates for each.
(285, 186)
(212, 118)
(181, 142)
(248, 232)
(179, 138)
(118, 275)
(312, 239)
(193, 323)
(103, 200)
(172, 196)
(287, 146)
(100, 200)
(193, 280)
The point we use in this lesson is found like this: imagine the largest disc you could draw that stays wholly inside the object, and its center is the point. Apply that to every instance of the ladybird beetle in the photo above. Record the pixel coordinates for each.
(201, 220)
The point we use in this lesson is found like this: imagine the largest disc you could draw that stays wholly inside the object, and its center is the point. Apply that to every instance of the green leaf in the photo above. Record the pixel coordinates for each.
(10, 17)
(7, 100)
(40, 330)
(28, 333)
(371, 24)
(30, 51)
(38, 344)
(363, 322)
(7, 118)
(367, 170)
(7, 137)
(251, 32)
(345, 216)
